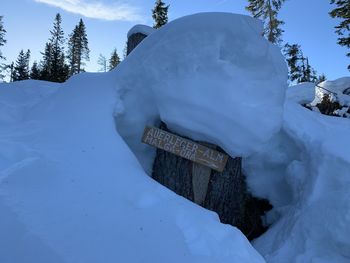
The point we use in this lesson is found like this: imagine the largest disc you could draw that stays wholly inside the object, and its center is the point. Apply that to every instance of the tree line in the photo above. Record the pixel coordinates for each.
(300, 69)
(58, 65)
(61, 58)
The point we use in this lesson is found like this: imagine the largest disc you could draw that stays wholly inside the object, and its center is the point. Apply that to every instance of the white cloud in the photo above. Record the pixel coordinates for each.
(97, 9)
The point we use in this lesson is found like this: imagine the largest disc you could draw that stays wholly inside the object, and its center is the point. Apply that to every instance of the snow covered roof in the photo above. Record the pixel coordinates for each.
(143, 29)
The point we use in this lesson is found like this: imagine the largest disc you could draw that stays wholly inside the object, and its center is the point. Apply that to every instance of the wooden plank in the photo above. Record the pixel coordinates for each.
(200, 182)
(185, 148)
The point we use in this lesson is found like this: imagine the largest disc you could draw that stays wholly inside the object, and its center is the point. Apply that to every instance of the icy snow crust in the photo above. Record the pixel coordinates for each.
(305, 173)
(211, 77)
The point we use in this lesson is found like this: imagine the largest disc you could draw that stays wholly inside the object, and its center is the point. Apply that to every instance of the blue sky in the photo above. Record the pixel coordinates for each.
(28, 23)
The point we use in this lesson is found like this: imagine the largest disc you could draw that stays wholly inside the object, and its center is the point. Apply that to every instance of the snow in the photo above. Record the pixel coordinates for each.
(196, 75)
(72, 191)
(73, 181)
(304, 172)
(333, 88)
(143, 29)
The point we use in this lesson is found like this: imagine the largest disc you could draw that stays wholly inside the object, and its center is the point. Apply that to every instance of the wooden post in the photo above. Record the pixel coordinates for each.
(200, 182)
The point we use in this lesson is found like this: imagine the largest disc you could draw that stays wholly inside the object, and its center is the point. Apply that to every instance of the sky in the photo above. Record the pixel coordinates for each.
(28, 23)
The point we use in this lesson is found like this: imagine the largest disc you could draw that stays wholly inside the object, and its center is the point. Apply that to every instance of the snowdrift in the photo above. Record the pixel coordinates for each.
(305, 173)
(72, 191)
(210, 77)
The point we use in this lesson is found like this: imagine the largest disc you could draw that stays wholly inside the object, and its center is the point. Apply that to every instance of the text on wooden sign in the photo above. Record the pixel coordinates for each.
(185, 148)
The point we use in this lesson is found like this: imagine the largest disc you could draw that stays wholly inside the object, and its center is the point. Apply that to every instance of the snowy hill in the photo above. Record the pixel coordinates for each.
(73, 181)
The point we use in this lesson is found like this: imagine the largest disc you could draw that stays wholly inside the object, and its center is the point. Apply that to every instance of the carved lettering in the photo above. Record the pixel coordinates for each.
(185, 148)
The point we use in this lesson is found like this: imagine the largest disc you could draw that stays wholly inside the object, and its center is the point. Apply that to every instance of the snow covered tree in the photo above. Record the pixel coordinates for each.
(267, 10)
(78, 49)
(160, 14)
(2, 42)
(342, 11)
(114, 60)
(35, 72)
(21, 69)
(102, 61)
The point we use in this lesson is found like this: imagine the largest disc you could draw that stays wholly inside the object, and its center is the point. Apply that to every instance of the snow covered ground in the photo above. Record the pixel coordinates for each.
(72, 191)
(305, 173)
(73, 182)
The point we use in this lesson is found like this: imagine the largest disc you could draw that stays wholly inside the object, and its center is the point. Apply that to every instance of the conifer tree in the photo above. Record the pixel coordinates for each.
(2, 36)
(293, 57)
(58, 68)
(2, 43)
(342, 11)
(35, 72)
(267, 10)
(102, 61)
(46, 63)
(114, 60)
(54, 67)
(321, 78)
(11, 67)
(78, 49)
(160, 14)
(308, 74)
(21, 69)
(300, 69)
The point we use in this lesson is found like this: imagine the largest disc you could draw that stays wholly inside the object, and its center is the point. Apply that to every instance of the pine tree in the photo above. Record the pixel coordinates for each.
(11, 67)
(35, 72)
(321, 78)
(267, 10)
(114, 60)
(102, 61)
(58, 68)
(300, 69)
(160, 14)
(53, 64)
(2, 36)
(46, 63)
(78, 49)
(21, 70)
(308, 74)
(342, 11)
(2, 43)
(293, 57)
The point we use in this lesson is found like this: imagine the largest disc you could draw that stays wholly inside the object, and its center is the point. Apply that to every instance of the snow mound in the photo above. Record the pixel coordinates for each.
(72, 191)
(302, 93)
(211, 77)
(304, 172)
(143, 29)
(338, 89)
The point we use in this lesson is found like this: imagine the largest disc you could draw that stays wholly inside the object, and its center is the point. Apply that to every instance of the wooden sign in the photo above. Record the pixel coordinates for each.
(185, 148)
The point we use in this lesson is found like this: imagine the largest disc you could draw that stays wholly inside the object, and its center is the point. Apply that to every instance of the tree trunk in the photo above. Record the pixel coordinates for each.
(225, 193)
(133, 41)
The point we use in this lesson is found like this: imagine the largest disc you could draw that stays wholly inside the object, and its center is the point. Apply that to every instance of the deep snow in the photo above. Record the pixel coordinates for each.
(211, 81)
(72, 190)
(305, 173)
